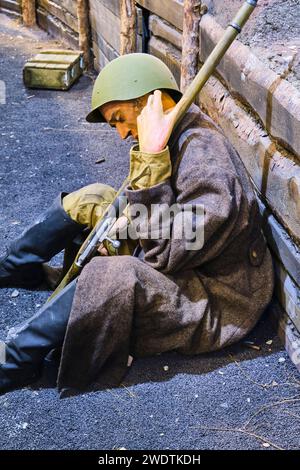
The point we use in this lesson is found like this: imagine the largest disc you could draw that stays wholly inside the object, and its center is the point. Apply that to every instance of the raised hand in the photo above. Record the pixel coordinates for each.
(155, 126)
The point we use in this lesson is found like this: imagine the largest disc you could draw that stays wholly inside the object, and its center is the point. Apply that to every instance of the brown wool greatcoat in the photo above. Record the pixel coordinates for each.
(187, 301)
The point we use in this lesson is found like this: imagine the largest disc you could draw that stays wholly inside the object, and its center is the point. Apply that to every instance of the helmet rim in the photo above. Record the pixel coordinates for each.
(95, 115)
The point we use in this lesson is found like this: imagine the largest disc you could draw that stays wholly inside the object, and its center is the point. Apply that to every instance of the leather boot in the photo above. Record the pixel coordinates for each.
(22, 265)
(28, 344)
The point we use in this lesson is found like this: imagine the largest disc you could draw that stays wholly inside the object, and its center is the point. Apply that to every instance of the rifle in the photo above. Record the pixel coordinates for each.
(103, 227)
(98, 235)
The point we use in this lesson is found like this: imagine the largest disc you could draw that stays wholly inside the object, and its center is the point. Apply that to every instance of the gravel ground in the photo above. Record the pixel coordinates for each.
(168, 401)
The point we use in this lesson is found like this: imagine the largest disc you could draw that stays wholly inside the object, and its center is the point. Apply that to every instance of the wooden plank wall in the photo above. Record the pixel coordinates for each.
(59, 18)
(11, 7)
(105, 24)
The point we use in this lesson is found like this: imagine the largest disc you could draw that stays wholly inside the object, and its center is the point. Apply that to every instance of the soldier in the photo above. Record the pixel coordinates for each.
(161, 296)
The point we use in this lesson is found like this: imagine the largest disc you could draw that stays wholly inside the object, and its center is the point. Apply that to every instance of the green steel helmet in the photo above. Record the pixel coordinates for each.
(128, 77)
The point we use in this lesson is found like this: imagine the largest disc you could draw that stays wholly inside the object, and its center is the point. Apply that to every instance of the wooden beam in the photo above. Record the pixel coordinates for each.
(287, 332)
(168, 54)
(101, 46)
(84, 30)
(112, 5)
(70, 6)
(60, 12)
(275, 173)
(190, 42)
(282, 245)
(170, 10)
(56, 27)
(288, 293)
(128, 27)
(10, 5)
(28, 12)
(17, 15)
(161, 29)
(106, 23)
(273, 99)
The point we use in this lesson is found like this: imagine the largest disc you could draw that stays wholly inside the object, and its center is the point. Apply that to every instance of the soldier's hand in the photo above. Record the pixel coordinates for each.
(119, 228)
(102, 250)
(155, 126)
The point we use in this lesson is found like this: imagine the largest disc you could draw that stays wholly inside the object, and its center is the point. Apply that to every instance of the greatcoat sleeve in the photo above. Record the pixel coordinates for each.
(197, 183)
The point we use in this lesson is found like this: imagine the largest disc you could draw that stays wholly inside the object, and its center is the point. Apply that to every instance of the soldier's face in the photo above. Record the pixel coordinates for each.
(123, 114)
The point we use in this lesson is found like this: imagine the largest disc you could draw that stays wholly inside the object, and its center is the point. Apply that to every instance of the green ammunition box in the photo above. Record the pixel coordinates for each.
(53, 69)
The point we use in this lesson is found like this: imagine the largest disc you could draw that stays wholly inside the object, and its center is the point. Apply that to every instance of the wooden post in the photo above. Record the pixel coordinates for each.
(84, 31)
(190, 42)
(28, 12)
(128, 27)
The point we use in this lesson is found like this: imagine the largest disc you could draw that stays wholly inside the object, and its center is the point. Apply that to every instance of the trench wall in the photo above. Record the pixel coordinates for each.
(11, 7)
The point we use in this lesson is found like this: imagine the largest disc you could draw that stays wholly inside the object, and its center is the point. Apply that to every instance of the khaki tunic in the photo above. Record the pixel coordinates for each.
(173, 299)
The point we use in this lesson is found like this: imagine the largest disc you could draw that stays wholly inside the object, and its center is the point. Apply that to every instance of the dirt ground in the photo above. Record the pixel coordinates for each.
(273, 32)
(239, 398)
